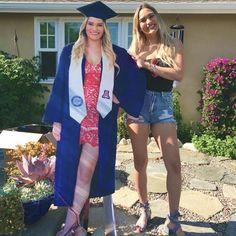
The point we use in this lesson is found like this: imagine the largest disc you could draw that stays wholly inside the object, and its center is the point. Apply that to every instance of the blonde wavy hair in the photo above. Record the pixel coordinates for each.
(167, 51)
(79, 46)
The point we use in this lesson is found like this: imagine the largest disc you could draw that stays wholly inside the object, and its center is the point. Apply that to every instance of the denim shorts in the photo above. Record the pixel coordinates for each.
(157, 108)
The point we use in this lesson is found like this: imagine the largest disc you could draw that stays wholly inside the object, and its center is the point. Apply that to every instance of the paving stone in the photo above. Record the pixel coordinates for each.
(231, 165)
(153, 169)
(156, 184)
(125, 197)
(124, 148)
(193, 158)
(159, 208)
(229, 191)
(189, 146)
(202, 184)
(231, 227)
(124, 156)
(199, 203)
(123, 141)
(152, 147)
(197, 228)
(154, 155)
(47, 225)
(156, 169)
(124, 222)
(210, 173)
(118, 163)
(229, 179)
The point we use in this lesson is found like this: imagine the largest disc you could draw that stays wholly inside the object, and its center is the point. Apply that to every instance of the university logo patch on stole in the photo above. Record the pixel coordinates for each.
(106, 94)
(76, 101)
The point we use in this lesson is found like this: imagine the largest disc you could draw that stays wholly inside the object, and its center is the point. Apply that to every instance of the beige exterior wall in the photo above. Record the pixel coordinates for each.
(24, 26)
(206, 37)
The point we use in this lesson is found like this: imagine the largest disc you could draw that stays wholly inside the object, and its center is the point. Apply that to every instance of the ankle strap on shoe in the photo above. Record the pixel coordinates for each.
(173, 217)
(144, 205)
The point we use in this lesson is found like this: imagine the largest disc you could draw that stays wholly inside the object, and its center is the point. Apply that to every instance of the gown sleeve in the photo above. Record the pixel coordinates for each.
(54, 108)
(131, 84)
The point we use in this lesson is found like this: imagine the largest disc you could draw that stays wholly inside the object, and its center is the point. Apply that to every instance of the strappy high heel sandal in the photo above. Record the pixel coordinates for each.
(72, 229)
(69, 232)
(164, 230)
(144, 218)
(80, 231)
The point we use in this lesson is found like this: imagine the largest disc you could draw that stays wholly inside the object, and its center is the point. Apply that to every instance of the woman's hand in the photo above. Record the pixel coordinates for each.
(114, 99)
(56, 131)
(139, 60)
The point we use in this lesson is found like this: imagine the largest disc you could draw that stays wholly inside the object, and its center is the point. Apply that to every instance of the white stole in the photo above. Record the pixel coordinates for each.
(76, 90)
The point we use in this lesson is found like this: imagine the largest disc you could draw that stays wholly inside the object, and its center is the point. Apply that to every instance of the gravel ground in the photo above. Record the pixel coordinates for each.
(218, 222)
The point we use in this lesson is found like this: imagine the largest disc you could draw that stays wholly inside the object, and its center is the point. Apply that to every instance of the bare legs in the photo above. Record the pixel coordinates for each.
(87, 164)
(165, 136)
(139, 136)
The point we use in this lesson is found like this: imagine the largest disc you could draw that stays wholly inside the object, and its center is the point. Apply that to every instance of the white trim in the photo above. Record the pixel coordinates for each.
(122, 7)
(60, 31)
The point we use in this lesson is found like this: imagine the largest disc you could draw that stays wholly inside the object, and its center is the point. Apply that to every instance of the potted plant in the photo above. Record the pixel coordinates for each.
(30, 174)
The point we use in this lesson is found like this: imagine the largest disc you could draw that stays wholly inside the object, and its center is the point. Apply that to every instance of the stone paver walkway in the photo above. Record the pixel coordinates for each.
(205, 182)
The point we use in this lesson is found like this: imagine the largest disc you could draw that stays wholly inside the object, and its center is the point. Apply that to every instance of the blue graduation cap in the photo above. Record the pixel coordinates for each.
(97, 9)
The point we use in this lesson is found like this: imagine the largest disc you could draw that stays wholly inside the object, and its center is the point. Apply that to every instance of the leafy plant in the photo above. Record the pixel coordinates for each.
(33, 149)
(32, 180)
(33, 169)
(210, 144)
(122, 130)
(20, 90)
(39, 190)
(12, 215)
(218, 97)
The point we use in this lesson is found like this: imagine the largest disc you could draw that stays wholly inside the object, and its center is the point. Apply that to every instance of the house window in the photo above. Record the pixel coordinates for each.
(52, 34)
(71, 31)
(113, 29)
(47, 48)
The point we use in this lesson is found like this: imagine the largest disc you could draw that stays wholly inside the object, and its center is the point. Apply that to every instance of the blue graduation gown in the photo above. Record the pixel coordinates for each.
(129, 88)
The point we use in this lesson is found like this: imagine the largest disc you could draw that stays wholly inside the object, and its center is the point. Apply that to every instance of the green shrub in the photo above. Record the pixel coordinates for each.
(122, 130)
(185, 131)
(218, 97)
(12, 213)
(210, 144)
(19, 90)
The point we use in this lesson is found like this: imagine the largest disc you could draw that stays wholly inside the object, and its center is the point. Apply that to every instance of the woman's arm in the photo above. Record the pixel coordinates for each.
(175, 73)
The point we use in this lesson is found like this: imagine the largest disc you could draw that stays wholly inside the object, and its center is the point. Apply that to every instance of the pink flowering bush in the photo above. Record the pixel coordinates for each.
(218, 97)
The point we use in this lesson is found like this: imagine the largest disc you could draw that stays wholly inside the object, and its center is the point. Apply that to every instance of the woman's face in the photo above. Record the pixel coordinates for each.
(94, 28)
(148, 22)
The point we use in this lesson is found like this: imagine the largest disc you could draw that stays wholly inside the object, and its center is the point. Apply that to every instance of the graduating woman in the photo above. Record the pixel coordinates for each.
(93, 80)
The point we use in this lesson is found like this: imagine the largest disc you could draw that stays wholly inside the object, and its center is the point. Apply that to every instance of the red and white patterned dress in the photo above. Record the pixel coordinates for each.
(89, 125)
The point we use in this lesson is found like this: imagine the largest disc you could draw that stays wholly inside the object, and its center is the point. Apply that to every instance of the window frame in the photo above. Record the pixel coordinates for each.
(122, 40)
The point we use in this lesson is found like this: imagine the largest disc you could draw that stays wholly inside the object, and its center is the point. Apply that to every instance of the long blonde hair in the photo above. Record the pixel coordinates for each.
(79, 46)
(167, 51)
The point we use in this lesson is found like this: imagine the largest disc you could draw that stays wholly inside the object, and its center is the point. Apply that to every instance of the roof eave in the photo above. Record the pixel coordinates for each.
(171, 8)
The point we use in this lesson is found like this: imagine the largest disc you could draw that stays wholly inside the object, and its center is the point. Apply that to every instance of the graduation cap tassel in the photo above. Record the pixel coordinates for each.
(16, 44)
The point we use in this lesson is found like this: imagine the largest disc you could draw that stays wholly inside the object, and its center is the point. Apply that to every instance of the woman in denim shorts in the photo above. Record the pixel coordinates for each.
(161, 56)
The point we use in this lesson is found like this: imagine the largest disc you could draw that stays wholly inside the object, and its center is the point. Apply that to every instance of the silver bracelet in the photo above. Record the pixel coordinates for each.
(152, 68)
